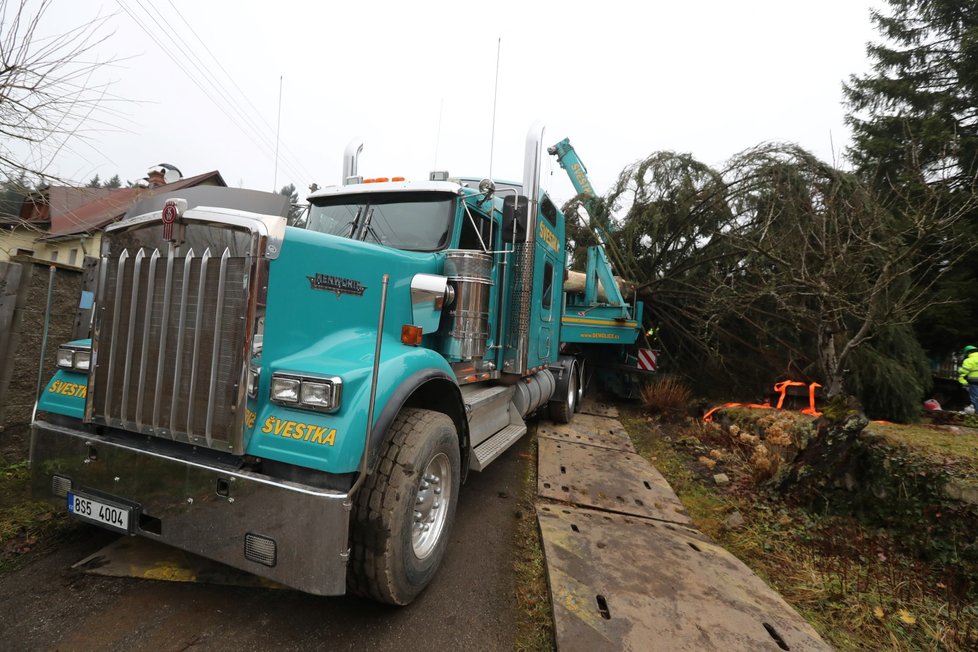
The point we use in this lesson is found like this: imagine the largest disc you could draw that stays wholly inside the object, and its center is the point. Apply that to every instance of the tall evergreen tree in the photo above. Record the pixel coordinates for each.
(915, 117)
(114, 182)
(95, 182)
(915, 131)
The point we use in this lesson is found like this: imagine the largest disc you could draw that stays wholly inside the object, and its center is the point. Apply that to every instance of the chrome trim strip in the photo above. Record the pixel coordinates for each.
(123, 257)
(148, 314)
(127, 363)
(96, 331)
(216, 348)
(199, 317)
(164, 331)
(180, 329)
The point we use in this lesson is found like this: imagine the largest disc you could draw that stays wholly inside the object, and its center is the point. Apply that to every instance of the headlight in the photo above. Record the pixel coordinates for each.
(82, 360)
(66, 358)
(311, 392)
(74, 359)
(316, 394)
(285, 390)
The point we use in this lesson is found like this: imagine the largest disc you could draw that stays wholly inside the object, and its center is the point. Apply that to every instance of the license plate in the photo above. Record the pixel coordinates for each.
(95, 510)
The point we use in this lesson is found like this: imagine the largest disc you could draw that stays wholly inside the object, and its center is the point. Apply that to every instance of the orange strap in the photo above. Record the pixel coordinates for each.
(779, 388)
(782, 388)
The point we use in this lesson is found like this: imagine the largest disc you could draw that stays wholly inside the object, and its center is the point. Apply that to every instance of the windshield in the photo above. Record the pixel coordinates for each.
(415, 221)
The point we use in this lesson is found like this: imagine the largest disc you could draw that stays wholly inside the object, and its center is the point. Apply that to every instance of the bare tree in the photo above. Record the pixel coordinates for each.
(49, 94)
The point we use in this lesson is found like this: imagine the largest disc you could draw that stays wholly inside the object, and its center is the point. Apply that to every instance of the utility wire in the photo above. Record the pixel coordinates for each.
(211, 78)
(166, 50)
(235, 84)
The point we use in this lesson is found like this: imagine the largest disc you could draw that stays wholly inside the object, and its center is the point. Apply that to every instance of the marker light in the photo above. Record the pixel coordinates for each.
(398, 179)
(411, 334)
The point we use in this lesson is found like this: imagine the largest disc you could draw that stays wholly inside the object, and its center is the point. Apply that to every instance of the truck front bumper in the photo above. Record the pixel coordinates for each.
(201, 507)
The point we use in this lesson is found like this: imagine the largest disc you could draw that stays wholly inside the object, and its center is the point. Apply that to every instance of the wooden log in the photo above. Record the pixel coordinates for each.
(576, 282)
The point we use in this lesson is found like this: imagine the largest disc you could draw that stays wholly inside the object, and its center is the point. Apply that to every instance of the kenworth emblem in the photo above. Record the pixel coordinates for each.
(169, 217)
(336, 284)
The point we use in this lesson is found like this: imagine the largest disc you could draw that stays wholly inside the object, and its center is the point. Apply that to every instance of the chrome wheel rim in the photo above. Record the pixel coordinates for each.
(572, 390)
(431, 505)
(580, 385)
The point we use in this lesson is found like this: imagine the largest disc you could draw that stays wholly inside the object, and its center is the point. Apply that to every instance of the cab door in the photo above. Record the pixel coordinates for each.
(548, 283)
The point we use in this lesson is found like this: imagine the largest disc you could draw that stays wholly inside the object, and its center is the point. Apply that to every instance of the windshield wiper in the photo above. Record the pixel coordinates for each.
(370, 230)
(365, 228)
(354, 223)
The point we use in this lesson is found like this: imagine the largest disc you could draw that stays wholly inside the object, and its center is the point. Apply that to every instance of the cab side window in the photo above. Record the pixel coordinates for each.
(469, 238)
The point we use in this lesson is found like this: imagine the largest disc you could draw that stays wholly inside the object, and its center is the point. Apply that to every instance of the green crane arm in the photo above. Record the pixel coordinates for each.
(598, 265)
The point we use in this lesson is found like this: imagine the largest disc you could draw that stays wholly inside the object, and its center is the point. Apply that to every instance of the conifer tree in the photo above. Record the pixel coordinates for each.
(915, 117)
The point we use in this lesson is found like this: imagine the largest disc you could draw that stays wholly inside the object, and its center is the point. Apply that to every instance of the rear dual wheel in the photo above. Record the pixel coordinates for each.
(568, 395)
(404, 511)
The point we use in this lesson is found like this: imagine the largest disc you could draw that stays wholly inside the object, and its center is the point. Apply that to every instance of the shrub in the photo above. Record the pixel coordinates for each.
(667, 396)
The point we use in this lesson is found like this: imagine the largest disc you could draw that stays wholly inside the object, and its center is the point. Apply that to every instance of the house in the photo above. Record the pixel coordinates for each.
(62, 224)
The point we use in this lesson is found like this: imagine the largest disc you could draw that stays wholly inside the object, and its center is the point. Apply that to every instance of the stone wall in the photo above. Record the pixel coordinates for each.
(23, 347)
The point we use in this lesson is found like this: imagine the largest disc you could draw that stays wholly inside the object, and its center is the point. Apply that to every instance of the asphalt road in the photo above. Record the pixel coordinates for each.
(470, 604)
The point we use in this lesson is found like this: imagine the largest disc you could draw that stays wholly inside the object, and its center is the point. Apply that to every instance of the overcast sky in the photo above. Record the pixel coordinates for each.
(415, 81)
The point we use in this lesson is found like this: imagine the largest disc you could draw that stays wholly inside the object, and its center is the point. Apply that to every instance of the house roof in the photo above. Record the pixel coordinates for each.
(95, 214)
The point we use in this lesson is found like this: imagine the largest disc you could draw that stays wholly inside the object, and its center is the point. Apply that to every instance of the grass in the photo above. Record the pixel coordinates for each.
(534, 625)
(27, 527)
(852, 583)
(958, 447)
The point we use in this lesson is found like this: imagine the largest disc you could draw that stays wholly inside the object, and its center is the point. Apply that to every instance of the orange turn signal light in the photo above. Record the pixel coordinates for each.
(411, 334)
(397, 178)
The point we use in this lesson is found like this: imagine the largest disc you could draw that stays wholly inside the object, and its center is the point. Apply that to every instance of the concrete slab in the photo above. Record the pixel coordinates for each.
(591, 405)
(589, 429)
(622, 583)
(145, 559)
(607, 479)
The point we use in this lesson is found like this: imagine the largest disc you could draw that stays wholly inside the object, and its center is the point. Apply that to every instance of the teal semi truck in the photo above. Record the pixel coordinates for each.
(304, 402)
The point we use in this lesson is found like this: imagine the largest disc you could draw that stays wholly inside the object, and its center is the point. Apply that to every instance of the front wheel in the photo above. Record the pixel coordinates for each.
(404, 512)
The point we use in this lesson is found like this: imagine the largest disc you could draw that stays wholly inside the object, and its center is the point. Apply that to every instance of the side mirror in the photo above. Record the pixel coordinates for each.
(515, 211)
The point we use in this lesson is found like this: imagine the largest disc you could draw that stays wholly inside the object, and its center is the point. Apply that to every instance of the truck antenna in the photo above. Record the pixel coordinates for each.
(441, 110)
(495, 93)
(278, 131)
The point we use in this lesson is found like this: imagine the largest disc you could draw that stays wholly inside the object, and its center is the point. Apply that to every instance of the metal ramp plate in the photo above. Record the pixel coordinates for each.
(620, 583)
(589, 429)
(591, 405)
(605, 479)
(145, 559)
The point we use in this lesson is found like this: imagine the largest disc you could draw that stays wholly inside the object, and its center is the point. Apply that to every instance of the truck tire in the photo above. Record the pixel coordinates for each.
(404, 511)
(564, 404)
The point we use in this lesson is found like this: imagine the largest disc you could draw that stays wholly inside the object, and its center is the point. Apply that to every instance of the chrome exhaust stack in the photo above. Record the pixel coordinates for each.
(517, 353)
(351, 157)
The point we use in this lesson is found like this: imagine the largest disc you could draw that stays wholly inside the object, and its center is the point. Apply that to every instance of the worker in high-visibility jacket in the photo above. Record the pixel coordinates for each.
(968, 373)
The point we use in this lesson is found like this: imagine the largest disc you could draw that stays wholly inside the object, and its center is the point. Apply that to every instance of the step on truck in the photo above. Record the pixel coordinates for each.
(304, 402)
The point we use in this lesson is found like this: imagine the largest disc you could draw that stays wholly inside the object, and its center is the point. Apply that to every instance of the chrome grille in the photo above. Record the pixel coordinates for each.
(170, 343)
